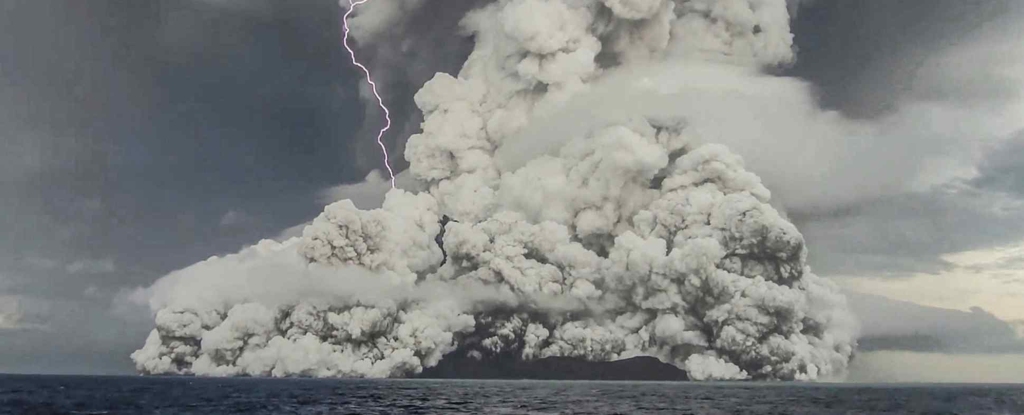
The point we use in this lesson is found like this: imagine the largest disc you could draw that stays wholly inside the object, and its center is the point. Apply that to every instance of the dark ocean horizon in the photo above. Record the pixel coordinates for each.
(51, 394)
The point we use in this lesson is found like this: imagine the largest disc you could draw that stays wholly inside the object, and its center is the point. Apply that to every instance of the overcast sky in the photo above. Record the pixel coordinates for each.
(139, 137)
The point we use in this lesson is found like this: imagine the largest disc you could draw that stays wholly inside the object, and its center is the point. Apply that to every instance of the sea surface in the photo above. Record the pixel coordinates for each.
(153, 395)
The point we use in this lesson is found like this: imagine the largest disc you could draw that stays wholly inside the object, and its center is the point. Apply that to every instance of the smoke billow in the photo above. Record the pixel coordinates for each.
(633, 236)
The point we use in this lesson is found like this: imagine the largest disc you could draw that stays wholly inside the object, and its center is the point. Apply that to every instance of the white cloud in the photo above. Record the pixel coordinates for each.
(10, 313)
(811, 159)
(91, 266)
(367, 194)
(22, 313)
(42, 263)
(235, 218)
(93, 292)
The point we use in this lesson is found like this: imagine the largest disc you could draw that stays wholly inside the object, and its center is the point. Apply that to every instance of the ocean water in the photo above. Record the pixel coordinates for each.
(148, 395)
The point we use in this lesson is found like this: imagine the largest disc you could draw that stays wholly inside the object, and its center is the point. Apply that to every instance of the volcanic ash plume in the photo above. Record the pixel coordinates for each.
(637, 237)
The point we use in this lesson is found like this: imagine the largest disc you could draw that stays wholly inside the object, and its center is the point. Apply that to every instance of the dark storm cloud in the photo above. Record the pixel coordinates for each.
(129, 132)
(865, 57)
(138, 125)
(908, 233)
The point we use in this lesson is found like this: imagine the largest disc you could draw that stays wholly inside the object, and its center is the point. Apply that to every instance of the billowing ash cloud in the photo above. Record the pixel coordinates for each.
(637, 235)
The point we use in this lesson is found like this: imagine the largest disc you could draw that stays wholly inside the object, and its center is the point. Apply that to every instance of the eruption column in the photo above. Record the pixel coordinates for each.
(373, 86)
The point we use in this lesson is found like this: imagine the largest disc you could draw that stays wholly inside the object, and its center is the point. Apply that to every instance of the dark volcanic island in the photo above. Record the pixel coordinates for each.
(555, 368)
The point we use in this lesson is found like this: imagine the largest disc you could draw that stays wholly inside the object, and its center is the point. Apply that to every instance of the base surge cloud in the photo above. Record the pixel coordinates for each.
(633, 235)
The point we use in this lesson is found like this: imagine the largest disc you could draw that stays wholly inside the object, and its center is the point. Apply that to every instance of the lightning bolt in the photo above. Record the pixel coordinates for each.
(373, 86)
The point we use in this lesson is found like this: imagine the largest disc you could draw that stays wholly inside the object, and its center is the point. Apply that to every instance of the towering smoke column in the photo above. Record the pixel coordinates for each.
(633, 236)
